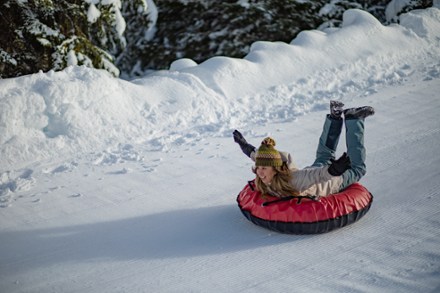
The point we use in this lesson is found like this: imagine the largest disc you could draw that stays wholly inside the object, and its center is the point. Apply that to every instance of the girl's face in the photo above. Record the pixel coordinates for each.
(266, 174)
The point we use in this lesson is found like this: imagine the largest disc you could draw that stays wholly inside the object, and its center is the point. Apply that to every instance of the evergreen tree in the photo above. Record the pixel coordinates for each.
(202, 29)
(48, 34)
(138, 34)
(45, 34)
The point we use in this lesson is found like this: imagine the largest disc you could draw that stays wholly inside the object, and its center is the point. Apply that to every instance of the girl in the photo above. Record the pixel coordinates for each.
(276, 174)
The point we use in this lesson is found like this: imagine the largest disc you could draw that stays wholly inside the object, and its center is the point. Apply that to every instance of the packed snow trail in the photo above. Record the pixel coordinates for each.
(106, 230)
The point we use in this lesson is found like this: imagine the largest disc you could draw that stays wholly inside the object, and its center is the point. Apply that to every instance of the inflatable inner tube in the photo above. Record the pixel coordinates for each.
(305, 216)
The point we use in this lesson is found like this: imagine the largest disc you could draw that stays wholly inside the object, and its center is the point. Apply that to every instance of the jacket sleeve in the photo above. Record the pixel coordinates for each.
(305, 178)
(252, 156)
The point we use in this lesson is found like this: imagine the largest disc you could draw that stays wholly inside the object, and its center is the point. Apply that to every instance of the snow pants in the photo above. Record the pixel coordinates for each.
(354, 137)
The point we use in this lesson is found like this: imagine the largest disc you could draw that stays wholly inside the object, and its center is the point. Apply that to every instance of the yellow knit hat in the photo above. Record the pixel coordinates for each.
(267, 155)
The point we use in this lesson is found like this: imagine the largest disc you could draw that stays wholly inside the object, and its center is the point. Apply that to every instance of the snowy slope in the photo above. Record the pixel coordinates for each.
(115, 186)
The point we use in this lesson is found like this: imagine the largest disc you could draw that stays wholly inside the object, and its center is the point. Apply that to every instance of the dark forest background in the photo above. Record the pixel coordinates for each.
(132, 37)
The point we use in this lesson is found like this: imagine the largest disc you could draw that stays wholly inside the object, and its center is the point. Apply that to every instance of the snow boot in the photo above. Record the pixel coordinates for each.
(336, 109)
(358, 113)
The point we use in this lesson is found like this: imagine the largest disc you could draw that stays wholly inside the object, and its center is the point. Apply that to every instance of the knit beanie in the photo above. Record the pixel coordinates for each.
(267, 155)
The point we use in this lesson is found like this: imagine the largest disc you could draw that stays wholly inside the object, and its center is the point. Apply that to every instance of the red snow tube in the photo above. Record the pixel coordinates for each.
(305, 216)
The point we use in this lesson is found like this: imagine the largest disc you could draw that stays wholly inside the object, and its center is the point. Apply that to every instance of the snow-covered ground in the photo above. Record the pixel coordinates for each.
(109, 185)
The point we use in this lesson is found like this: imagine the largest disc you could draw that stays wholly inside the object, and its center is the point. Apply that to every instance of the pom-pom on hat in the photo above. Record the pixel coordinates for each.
(267, 155)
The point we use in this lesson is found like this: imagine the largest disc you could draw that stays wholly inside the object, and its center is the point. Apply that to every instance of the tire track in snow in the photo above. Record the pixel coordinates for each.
(408, 248)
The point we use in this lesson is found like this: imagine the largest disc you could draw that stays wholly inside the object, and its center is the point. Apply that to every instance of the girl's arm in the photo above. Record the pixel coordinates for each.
(303, 179)
(246, 148)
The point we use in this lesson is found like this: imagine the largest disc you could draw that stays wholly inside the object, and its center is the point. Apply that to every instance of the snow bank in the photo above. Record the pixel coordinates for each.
(423, 26)
(84, 110)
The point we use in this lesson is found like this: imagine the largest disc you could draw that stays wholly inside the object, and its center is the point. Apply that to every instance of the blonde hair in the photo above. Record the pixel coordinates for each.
(280, 185)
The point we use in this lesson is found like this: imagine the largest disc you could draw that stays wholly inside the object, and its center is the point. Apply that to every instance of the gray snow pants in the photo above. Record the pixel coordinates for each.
(355, 147)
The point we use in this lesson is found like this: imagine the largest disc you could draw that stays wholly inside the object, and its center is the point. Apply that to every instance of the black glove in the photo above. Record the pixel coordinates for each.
(339, 166)
(245, 147)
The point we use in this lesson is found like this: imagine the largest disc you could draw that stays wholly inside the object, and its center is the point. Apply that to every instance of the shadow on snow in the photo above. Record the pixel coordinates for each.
(172, 234)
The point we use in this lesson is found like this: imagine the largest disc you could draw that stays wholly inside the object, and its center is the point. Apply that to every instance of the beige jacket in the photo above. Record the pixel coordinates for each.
(310, 180)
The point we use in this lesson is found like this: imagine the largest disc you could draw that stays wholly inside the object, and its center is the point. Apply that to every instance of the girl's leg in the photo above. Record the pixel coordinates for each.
(328, 141)
(355, 150)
